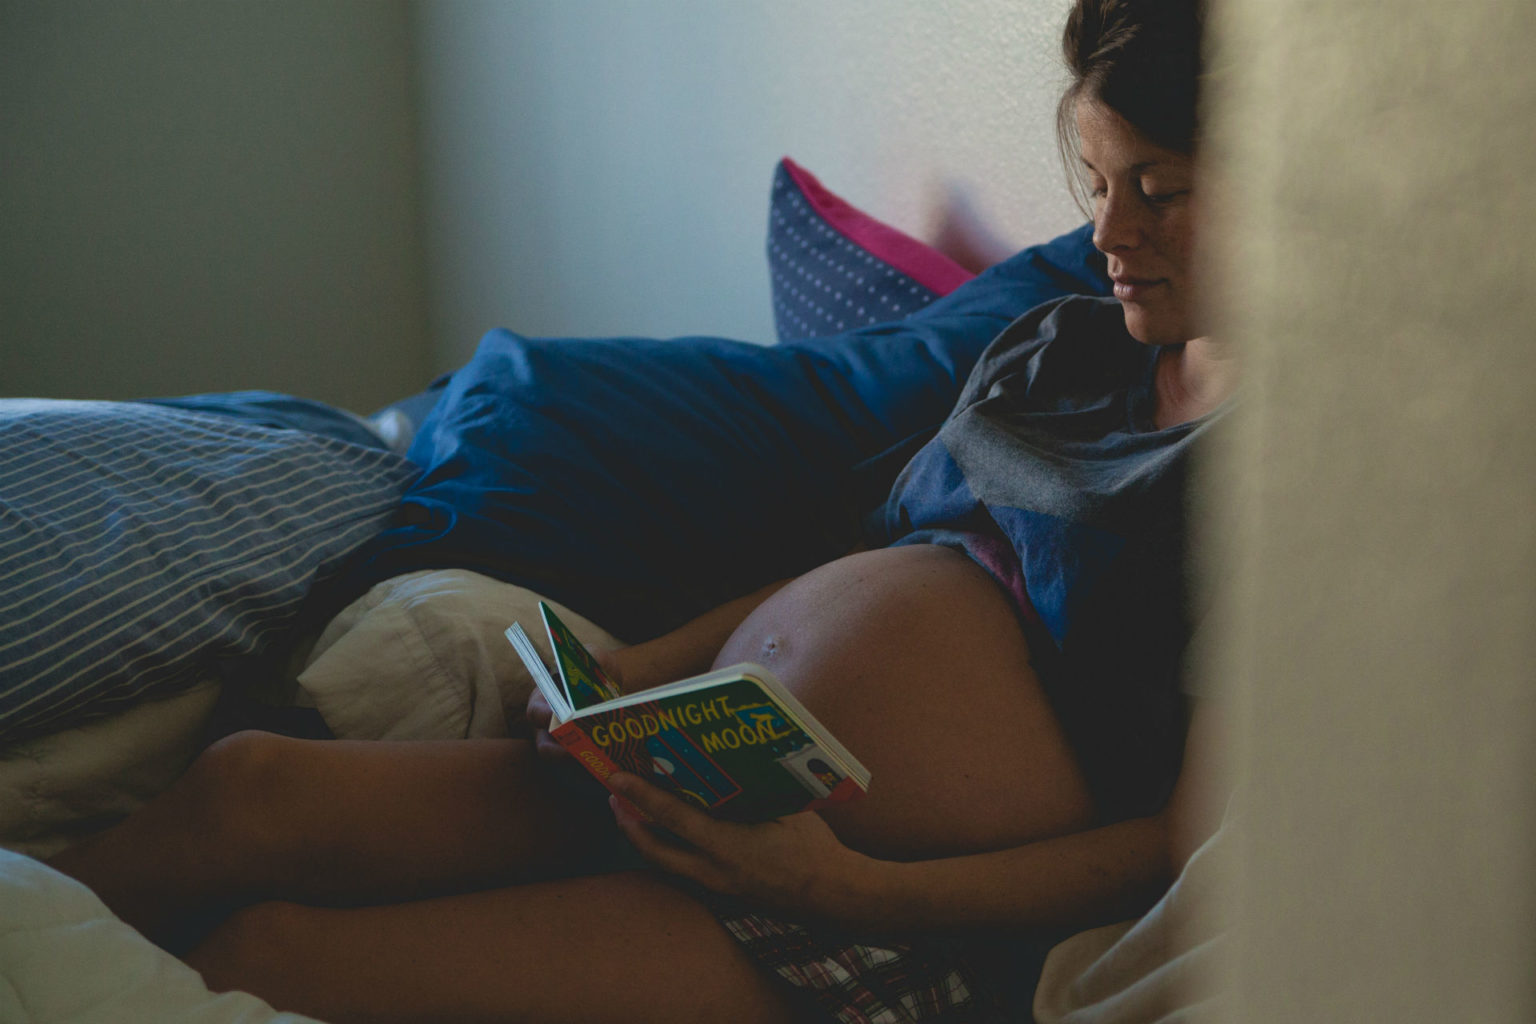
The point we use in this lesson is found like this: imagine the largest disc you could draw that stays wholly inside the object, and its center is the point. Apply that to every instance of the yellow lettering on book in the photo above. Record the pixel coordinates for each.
(734, 737)
(765, 730)
(691, 713)
(711, 713)
(597, 764)
(667, 719)
(605, 733)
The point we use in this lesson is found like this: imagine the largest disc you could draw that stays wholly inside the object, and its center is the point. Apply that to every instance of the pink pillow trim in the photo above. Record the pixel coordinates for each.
(919, 261)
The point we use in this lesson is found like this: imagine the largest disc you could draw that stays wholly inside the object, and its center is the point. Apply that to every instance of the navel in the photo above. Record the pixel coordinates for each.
(773, 646)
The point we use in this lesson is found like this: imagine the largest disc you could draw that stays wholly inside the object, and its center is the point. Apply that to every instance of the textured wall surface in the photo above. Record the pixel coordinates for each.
(603, 167)
(1380, 206)
(209, 196)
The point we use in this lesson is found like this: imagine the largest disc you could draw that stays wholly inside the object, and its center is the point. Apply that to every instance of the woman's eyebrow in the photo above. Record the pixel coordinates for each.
(1134, 169)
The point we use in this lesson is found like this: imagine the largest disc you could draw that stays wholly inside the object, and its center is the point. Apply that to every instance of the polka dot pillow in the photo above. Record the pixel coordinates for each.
(833, 268)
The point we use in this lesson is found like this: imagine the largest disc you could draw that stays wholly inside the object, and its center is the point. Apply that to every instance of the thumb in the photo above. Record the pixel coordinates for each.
(661, 807)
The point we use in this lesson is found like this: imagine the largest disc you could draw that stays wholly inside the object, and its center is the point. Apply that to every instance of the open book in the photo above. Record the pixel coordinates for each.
(734, 741)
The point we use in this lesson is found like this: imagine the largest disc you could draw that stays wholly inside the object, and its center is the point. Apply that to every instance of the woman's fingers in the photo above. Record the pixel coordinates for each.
(664, 809)
(538, 711)
(672, 857)
(539, 716)
(546, 745)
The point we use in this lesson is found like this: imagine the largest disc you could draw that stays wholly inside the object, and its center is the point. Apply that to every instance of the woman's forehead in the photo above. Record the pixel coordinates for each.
(1107, 141)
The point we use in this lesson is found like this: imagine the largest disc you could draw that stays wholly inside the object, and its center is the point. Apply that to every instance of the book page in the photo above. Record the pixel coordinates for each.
(541, 677)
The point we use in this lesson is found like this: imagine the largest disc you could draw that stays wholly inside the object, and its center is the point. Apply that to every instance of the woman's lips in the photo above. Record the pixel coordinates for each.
(1133, 289)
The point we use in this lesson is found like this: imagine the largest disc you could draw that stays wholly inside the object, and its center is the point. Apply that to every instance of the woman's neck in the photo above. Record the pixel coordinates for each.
(1192, 380)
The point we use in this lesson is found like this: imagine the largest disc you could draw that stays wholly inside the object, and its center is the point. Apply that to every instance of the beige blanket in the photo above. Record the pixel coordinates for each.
(1161, 968)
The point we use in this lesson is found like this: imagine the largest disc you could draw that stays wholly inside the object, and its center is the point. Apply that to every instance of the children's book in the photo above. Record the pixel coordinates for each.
(733, 741)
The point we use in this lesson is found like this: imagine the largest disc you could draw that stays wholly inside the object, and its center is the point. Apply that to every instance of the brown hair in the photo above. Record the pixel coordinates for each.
(1140, 58)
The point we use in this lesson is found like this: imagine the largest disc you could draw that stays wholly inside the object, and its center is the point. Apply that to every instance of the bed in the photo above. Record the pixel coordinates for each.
(176, 569)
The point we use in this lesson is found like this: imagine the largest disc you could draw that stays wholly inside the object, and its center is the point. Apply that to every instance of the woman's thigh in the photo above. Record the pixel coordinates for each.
(619, 947)
(914, 658)
(262, 817)
(343, 822)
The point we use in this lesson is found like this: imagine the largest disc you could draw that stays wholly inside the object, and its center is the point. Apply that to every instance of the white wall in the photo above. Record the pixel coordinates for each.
(602, 166)
(209, 196)
(1379, 265)
(225, 195)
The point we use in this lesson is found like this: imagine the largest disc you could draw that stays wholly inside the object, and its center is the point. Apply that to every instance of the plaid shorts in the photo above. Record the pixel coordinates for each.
(856, 982)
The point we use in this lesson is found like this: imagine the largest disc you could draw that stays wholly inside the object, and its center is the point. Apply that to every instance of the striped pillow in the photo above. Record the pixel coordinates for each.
(140, 546)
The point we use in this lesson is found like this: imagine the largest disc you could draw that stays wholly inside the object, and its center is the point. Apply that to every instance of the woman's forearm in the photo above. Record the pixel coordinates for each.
(1103, 874)
(691, 648)
(1086, 878)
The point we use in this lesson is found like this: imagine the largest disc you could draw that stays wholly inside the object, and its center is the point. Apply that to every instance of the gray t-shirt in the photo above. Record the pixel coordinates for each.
(1051, 475)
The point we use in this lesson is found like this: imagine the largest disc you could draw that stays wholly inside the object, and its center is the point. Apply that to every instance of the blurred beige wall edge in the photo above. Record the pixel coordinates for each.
(1379, 208)
(210, 196)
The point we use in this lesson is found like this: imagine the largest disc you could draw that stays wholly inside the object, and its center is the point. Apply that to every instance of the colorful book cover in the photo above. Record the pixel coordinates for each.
(735, 742)
(730, 747)
(584, 680)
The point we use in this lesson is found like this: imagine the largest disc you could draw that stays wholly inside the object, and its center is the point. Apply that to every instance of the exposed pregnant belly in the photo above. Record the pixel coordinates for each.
(914, 658)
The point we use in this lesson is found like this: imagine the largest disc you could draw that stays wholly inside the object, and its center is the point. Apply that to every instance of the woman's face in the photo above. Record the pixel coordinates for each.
(1143, 221)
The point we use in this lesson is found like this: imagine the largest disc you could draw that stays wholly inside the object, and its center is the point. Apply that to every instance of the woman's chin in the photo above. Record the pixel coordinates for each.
(1149, 328)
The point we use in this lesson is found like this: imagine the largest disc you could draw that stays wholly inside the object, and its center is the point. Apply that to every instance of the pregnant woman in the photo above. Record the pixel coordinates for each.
(1003, 657)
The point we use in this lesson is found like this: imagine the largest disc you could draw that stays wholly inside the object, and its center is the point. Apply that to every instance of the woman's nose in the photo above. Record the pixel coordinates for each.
(1116, 224)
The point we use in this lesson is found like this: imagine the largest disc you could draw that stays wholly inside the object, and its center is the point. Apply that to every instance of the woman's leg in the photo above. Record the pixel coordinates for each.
(262, 817)
(605, 948)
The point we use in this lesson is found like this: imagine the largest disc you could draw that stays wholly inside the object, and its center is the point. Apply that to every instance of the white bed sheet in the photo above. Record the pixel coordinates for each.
(1163, 968)
(65, 958)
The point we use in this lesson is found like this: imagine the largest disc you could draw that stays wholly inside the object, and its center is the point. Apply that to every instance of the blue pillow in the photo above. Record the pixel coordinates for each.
(140, 546)
(641, 482)
(833, 267)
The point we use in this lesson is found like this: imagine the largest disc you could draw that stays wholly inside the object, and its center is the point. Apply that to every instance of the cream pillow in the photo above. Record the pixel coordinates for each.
(423, 656)
(54, 789)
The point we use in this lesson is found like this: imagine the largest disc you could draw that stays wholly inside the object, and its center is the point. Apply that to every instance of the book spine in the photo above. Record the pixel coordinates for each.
(587, 754)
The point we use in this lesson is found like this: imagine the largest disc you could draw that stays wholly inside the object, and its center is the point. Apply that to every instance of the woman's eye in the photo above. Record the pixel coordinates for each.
(1163, 198)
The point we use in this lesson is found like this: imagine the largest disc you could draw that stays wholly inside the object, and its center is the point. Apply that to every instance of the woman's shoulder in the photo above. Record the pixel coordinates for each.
(1077, 336)
(1084, 319)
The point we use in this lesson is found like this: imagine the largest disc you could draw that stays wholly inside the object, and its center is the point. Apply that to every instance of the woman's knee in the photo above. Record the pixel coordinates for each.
(251, 949)
(244, 786)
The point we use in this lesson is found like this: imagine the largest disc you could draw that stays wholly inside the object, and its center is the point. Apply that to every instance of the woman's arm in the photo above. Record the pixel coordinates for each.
(686, 651)
(796, 864)
(1103, 874)
(1093, 877)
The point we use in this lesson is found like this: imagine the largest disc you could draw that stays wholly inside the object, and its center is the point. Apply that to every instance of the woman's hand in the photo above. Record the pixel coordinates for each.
(794, 864)
(537, 715)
